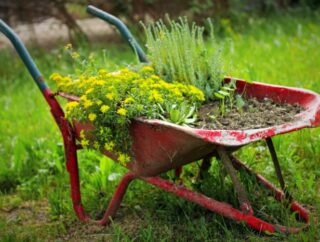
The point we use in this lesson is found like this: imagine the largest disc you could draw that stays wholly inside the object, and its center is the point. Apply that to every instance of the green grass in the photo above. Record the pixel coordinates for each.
(35, 202)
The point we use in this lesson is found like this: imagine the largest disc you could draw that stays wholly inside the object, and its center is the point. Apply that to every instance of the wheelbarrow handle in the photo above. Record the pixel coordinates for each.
(24, 55)
(125, 32)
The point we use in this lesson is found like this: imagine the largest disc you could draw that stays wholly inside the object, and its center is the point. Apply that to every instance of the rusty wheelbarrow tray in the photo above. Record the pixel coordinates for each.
(160, 146)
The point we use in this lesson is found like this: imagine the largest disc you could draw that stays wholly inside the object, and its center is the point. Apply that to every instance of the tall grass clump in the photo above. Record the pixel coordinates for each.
(179, 52)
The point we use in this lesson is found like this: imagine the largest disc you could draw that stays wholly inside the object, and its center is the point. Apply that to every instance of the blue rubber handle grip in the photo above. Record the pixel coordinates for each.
(124, 31)
(24, 55)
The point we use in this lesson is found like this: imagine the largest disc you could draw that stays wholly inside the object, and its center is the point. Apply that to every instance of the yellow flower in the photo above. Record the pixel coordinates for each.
(129, 100)
(100, 83)
(155, 96)
(55, 77)
(84, 143)
(92, 79)
(99, 102)
(71, 105)
(197, 93)
(68, 46)
(104, 108)
(82, 78)
(110, 96)
(165, 85)
(102, 72)
(147, 69)
(75, 55)
(123, 158)
(124, 70)
(176, 92)
(82, 134)
(90, 90)
(87, 103)
(122, 111)
(155, 77)
(156, 85)
(109, 146)
(83, 98)
(92, 116)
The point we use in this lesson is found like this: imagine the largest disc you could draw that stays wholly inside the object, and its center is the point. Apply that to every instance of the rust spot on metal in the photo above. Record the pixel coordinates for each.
(41, 79)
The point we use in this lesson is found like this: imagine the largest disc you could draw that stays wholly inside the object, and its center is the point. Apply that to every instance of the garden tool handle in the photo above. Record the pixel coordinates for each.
(24, 55)
(125, 32)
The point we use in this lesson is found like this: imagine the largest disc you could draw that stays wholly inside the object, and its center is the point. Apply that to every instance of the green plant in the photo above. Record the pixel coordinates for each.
(109, 100)
(181, 115)
(178, 52)
(227, 95)
(59, 203)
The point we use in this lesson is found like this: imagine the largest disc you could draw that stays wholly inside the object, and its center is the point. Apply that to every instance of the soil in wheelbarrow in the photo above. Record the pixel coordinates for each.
(254, 114)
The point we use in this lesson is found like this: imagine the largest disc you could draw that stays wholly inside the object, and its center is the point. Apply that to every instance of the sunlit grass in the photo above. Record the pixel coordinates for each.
(286, 54)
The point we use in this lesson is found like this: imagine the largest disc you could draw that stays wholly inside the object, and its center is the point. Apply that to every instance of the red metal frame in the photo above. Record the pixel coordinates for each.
(213, 205)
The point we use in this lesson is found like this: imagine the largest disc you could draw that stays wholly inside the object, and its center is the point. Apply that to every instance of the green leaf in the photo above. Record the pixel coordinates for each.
(218, 95)
(226, 88)
(239, 102)
(174, 115)
(191, 111)
(190, 120)
(226, 94)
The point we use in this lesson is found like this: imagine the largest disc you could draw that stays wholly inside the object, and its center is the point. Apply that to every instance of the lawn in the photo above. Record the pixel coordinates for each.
(35, 203)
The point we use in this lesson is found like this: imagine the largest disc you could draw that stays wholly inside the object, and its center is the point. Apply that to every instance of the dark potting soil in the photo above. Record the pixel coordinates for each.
(254, 114)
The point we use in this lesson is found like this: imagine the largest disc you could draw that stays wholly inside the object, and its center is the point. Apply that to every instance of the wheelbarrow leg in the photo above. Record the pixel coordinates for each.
(278, 168)
(203, 170)
(72, 167)
(218, 207)
(76, 193)
(277, 194)
(117, 198)
(70, 148)
(204, 167)
(241, 192)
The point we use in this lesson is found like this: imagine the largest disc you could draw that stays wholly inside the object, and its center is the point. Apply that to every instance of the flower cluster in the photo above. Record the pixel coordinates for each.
(109, 100)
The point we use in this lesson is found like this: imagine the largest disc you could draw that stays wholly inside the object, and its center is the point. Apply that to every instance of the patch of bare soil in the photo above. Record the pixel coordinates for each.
(79, 231)
(254, 114)
(26, 213)
(32, 219)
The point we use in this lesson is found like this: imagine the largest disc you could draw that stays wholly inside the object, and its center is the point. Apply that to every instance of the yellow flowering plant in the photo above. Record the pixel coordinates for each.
(110, 100)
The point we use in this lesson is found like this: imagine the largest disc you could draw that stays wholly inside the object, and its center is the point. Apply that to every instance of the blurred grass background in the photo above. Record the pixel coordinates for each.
(281, 48)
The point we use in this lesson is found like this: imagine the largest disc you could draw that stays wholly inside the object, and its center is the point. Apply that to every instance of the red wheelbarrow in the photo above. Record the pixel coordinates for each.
(160, 146)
